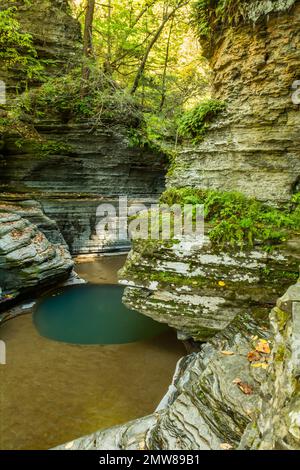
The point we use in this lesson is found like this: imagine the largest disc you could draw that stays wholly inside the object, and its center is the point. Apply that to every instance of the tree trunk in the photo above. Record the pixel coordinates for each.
(164, 77)
(88, 36)
(150, 46)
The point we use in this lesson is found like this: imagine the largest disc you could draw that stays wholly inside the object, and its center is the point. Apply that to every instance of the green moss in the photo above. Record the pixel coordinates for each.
(280, 353)
(195, 123)
(16, 47)
(281, 317)
(239, 220)
(44, 148)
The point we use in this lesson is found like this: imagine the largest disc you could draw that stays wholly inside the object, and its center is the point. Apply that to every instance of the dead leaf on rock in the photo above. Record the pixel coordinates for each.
(243, 386)
(227, 353)
(263, 346)
(253, 356)
(226, 446)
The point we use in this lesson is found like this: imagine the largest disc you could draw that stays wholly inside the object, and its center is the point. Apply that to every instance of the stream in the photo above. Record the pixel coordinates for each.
(55, 391)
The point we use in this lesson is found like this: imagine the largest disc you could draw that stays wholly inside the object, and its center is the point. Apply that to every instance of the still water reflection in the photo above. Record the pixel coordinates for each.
(92, 314)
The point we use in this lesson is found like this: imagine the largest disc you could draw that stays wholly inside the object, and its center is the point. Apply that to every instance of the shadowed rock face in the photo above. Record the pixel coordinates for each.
(254, 147)
(55, 33)
(27, 258)
(96, 163)
(99, 167)
(99, 162)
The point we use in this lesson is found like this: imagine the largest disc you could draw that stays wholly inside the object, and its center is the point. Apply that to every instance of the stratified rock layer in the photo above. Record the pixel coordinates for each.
(254, 147)
(56, 36)
(27, 258)
(277, 425)
(200, 289)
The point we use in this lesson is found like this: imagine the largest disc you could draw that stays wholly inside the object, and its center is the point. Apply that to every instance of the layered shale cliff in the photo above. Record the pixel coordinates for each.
(55, 36)
(219, 399)
(69, 163)
(254, 146)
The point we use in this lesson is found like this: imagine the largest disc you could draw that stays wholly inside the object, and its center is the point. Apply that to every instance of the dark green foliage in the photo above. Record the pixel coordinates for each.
(195, 123)
(16, 48)
(209, 16)
(239, 220)
(71, 98)
(43, 148)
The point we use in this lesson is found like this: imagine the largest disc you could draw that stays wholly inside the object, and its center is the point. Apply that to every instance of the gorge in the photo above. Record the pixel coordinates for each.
(234, 301)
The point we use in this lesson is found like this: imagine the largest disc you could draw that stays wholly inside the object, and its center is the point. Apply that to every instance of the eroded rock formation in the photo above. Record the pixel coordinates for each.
(28, 260)
(56, 37)
(219, 399)
(97, 166)
(254, 147)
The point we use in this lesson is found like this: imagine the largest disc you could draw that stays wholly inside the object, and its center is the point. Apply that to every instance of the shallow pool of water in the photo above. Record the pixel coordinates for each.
(92, 314)
(52, 392)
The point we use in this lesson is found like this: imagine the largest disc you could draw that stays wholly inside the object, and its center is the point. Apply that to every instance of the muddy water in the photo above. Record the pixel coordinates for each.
(52, 392)
(100, 270)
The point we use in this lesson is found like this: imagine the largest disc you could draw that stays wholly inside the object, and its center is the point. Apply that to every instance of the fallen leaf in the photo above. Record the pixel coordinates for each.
(263, 365)
(236, 381)
(226, 446)
(221, 283)
(227, 353)
(263, 346)
(253, 356)
(243, 386)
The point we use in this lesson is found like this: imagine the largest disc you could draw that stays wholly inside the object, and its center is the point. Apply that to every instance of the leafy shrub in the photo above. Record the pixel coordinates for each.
(156, 132)
(69, 97)
(239, 220)
(195, 123)
(16, 48)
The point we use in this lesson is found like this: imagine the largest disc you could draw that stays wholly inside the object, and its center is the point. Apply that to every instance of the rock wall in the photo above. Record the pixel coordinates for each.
(89, 162)
(277, 424)
(96, 166)
(221, 398)
(199, 290)
(55, 33)
(254, 147)
(28, 259)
